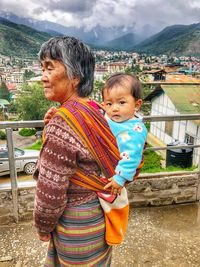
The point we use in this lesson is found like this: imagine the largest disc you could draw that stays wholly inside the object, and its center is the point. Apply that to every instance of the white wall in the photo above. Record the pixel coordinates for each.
(162, 105)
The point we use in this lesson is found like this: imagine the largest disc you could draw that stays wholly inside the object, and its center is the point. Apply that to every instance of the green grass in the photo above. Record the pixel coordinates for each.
(151, 162)
(177, 168)
(36, 146)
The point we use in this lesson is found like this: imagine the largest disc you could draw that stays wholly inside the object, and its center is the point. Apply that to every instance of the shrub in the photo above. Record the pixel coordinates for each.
(2, 135)
(27, 132)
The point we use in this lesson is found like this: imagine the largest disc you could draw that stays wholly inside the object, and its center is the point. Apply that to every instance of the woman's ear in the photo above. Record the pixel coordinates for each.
(75, 82)
(138, 104)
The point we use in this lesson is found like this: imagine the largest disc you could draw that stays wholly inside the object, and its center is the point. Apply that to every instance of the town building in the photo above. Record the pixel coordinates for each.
(176, 99)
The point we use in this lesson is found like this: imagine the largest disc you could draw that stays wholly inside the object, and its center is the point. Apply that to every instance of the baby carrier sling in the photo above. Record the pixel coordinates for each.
(93, 130)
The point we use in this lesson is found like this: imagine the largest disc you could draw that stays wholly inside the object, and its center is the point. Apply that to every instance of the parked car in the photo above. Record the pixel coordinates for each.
(22, 164)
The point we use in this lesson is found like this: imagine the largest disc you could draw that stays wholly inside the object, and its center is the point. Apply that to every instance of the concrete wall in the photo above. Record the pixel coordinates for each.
(25, 205)
(155, 191)
(166, 190)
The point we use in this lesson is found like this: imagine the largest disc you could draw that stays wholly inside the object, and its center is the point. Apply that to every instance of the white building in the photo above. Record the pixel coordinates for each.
(100, 72)
(177, 99)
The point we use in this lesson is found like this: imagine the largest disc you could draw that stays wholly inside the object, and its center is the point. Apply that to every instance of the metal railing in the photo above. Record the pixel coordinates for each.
(9, 126)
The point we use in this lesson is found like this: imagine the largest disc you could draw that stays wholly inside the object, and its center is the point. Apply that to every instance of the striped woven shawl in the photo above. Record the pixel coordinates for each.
(92, 128)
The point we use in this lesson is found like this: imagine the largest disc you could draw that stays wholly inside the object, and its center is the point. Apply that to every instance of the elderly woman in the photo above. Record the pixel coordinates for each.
(78, 146)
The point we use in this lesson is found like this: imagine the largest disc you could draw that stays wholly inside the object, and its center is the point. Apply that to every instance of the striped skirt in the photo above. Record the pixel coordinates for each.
(79, 238)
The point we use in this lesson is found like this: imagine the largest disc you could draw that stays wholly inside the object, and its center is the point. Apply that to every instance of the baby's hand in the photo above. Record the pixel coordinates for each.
(49, 114)
(115, 187)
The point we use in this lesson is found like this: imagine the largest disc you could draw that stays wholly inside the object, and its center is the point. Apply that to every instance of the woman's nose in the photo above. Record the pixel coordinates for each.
(44, 76)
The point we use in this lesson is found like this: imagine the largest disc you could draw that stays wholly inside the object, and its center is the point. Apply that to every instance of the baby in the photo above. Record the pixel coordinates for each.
(122, 95)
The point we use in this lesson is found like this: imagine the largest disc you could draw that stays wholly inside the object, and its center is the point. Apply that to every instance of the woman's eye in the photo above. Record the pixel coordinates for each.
(47, 69)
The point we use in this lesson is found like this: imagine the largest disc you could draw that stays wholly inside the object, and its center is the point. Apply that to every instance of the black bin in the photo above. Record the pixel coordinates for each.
(181, 157)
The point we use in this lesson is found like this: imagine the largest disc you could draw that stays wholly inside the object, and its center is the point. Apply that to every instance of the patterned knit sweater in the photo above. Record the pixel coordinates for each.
(60, 155)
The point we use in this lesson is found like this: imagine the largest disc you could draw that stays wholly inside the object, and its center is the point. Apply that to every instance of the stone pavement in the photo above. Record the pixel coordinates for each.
(167, 236)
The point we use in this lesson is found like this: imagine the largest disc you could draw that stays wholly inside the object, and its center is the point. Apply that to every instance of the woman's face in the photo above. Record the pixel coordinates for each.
(57, 86)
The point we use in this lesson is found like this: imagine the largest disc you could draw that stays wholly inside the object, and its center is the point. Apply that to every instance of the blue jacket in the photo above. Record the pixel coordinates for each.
(131, 137)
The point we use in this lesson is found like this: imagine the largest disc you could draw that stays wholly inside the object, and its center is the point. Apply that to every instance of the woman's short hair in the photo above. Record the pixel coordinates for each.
(77, 58)
(129, 81)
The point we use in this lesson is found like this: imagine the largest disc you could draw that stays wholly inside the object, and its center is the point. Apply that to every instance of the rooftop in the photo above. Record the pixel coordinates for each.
(173, 79)
(186, 98)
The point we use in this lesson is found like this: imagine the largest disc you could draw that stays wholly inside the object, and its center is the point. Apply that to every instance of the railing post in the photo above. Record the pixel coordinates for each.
(198, 188)
(13, 173)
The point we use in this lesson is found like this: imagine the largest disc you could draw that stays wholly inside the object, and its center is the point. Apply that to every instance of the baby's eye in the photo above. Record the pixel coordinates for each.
(122, 102)
(108, 104)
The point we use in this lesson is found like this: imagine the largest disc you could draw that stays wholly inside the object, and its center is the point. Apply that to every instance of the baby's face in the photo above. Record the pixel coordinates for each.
(119, 103)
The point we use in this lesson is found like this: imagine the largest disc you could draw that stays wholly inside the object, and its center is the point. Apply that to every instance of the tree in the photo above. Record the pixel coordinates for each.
(31, 104)
(4, 92)
(96, 94)
(98, 86)
(146, 106)
(28, 74)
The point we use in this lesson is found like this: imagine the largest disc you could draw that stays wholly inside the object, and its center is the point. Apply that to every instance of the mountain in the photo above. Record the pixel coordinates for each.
(20, 40)
(23, 37)
(98, 36)
(173, 40)
(123, 42)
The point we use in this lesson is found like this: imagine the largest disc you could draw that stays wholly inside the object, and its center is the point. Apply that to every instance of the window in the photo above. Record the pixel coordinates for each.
(169, 127)
(189, 139)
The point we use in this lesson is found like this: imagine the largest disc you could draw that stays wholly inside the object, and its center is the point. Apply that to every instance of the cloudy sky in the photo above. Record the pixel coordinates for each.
(155, 14)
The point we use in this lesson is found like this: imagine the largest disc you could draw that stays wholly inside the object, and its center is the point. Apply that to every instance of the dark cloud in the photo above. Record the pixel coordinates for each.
(39, 10)
(77, 7)
(12, 6)
(160, 14)
(149, 16)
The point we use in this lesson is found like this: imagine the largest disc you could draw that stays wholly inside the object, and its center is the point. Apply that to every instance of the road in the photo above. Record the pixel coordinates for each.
(23, 181)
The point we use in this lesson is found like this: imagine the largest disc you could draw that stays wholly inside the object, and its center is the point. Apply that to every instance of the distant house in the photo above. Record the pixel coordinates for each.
(34, 80)
(158, 75)
(3, 108)
(4, 103)
(173, 67)
(162, 77)
(100, 72)
(176, 99)
(117, 66)
(12, 87)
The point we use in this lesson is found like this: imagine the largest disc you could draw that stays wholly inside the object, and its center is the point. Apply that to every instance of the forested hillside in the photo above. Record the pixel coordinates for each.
(19, 40)
(173, 40)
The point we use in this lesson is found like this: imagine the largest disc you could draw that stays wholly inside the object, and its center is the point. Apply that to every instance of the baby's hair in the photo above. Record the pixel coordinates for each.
(129, 81)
